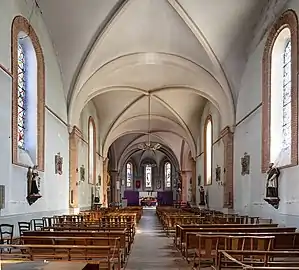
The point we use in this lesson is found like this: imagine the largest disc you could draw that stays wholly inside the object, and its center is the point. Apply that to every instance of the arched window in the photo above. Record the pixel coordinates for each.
(22, 105)
(129, 174)
(28, 96)
(91, 151)
(279, 99)
(167, 174)
(208, 150)
(148, 176)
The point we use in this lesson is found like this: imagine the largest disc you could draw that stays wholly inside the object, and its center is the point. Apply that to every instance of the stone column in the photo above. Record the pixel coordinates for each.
(105, 181)
(184, 192)
(228, 189)
(113, 187)
(74, 138)
(193, 184)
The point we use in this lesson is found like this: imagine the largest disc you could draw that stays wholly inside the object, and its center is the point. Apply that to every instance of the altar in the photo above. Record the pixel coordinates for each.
(148, 201)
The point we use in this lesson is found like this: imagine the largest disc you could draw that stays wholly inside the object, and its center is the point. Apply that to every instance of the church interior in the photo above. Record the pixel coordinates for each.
(149, 134)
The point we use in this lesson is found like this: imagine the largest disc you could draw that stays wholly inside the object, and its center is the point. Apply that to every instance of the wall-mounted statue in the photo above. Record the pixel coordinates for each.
(199, 180)
(33, 184)
(58, 164)
(202, 196)
(272, 186)
(82, 173)
(245, 163)
(218, 173)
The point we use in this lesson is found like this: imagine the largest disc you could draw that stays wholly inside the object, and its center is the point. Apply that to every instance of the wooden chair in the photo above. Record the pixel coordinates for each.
(37, 224)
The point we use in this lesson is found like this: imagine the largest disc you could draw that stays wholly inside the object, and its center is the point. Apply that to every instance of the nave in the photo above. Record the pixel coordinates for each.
(163, 238)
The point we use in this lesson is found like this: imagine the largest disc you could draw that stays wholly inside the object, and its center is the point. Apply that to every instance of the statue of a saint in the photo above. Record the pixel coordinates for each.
(201, 196)
(272, 181)
(33, 185)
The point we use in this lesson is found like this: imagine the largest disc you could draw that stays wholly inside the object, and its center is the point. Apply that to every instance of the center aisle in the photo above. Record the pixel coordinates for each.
(152, 249)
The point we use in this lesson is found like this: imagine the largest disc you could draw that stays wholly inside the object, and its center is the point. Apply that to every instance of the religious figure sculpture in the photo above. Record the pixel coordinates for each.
(218, 173)
(33, 185)
(202, 196)
(58, 164)
(272, 186)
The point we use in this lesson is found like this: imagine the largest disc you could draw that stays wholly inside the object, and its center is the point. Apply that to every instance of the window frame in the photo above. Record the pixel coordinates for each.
(148, 166)
(21, 24)
(131, 179)
(165, 176)
(287, 20)
(208, 119)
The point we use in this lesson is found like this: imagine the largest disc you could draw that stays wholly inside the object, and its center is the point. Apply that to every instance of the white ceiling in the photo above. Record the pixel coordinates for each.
(113, 53)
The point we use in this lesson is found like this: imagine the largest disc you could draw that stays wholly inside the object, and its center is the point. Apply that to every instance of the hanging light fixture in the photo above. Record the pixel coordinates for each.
(149, 146)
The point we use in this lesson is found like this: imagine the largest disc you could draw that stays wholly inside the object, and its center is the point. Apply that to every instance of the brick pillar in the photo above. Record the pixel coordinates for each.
(74, 138)
(228, 189)
(106, 179)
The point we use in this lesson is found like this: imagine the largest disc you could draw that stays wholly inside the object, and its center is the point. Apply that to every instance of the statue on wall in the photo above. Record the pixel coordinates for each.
(82, 173)
(58, 164)
(33, 185)
(202, 196)
(218, 174)
(272, 186)
(245, 163)
(199, 180)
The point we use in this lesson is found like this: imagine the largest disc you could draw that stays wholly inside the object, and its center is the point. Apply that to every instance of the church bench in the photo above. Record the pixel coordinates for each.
(224, 228)
(127, 232)
(110, 234)
(191, 228)
(118, 226)
(208, 245)
(268, 260)
(78, 241)
(106, 257)
(250, 241)
(282, 240)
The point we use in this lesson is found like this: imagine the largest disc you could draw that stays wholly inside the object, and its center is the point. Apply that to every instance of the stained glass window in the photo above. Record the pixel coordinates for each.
(129, 174)
(22, 106)
(148, 176)
(167, 174)
(286, 91)
(208, 154)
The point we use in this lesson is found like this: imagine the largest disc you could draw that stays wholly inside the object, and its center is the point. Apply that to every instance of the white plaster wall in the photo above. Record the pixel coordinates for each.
(250, 190)
(54, 188)
(85, 189)
(215, 190)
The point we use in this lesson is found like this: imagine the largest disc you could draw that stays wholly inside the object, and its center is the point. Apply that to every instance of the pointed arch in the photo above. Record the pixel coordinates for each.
(28, 95)
(279, 94)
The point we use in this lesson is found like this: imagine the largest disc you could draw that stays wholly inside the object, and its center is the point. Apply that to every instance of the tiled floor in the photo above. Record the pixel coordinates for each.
(152, 249)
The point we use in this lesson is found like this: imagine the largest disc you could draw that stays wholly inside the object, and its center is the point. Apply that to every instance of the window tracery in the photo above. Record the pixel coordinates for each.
(129, 174)
(167, 174)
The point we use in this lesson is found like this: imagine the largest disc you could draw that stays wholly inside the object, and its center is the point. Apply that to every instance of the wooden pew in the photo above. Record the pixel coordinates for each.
(107, 234)
(226, 229)
(276, 260)
(78, 241)
(194, 228)
(208, 245)
(106, 257)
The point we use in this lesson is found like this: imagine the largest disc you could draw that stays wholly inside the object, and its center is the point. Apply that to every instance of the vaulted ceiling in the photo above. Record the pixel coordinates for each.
(113, 53)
